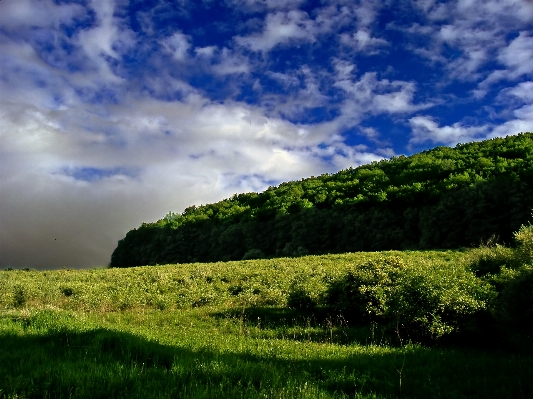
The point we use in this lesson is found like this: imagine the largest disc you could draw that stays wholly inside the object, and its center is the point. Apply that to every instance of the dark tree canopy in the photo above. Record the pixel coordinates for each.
(441, 198)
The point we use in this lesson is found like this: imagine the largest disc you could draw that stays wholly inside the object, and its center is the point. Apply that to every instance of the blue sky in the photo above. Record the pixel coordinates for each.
(115, 112)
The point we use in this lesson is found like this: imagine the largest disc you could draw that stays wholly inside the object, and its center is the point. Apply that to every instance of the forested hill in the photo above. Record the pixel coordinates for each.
(441, 198)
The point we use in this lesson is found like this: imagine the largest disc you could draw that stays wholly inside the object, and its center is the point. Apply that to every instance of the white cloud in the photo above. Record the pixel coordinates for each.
(522, 122)
(230, 62)
(373, 96)
(223, 61)
(344, 69)
(425, 129)
(207, 51)
(302, 92)
(520, 119)
(362, 41)
(344, 156)
(290, 25)
(506, 10)
(178, 45)
(281, 28)
(517, 57)
(366, 12)
(285, 79)
(523, 91)
(475, 29)
(106, 39)
(335, 16)
(23, 14)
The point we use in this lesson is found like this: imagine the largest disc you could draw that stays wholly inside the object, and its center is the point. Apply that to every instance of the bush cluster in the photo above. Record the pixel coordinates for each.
(426, 300)
(423, 300)
(515, 283)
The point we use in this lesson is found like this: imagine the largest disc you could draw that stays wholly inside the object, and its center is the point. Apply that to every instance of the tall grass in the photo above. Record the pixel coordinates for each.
(249, 283)
(225, 330)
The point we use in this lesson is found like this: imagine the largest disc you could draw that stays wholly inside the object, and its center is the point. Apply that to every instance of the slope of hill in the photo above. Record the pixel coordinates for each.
(275, 328)
(441, 198)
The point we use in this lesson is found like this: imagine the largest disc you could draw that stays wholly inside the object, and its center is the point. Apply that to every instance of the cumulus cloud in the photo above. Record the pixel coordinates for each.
(523, 91)
(517, 57)
(362, 41)
(304, 93)
(178, 45)
(426, 129)
(29, 13)
(344, 69)
(178, 153)
(280, 28)
(106, 39)
(230, 62)
(476, 30)
(370, 95)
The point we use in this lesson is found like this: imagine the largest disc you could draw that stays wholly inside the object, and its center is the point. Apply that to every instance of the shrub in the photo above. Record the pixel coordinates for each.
(515, 305)
(510, 271)
(361, 293)
(428, 301)
(524, 240)
(19, 296)
(299, 298)
(489, 259)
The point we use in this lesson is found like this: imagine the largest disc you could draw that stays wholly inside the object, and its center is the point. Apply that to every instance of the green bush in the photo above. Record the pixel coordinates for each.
(489, 259)
(524, 240)
(19, 296)
(424, 300)
(299, 298)
(515, 302)
(362, 293)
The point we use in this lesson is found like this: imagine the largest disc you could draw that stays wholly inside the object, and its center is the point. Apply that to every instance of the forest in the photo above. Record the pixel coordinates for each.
(444, 198)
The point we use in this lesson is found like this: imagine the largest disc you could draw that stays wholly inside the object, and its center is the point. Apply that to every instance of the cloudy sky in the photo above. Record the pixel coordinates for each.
(115, 112)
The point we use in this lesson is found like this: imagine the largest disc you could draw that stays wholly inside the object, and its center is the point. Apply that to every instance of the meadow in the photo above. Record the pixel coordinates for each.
(243, 329)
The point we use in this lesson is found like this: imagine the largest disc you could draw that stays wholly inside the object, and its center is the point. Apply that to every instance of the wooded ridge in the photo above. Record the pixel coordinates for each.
(440, 198)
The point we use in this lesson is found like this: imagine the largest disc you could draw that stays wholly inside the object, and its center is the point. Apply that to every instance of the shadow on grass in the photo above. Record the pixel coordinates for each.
(103, 363)
(322, 326)
(313, 325)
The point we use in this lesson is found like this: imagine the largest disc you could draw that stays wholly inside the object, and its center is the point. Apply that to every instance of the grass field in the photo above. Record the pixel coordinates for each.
(224, 330)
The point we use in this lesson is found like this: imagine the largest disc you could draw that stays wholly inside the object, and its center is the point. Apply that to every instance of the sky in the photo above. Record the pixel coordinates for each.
(113, 113)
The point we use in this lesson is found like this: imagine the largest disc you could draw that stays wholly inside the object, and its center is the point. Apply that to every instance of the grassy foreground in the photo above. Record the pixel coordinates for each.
(224, 330)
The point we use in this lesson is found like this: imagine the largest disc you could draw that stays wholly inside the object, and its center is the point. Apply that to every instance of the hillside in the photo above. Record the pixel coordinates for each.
(441, 198)
(412, 324)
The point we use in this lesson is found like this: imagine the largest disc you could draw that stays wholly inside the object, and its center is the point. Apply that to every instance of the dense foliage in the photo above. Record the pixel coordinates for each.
(426, 301)
(441, 198)
(239, 284)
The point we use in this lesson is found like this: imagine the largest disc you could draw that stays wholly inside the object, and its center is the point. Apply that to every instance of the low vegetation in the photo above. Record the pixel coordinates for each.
(412, 324)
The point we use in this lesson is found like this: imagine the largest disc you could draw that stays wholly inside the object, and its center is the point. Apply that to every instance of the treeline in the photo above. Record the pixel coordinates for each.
(441, 198)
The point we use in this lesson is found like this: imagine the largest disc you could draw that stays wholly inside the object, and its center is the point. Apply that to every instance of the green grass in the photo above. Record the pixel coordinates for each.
(224, 331)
